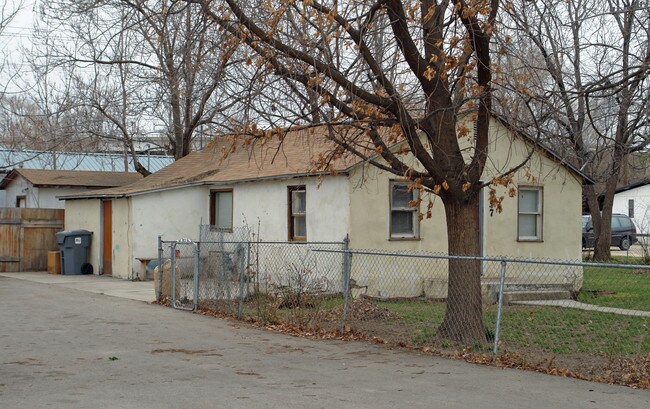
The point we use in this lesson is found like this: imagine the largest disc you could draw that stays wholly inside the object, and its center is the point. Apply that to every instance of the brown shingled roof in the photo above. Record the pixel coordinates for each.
(236, 158)
(77, 178)
(231, 159)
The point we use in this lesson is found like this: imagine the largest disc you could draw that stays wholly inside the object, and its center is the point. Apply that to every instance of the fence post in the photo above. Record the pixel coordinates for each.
(248, 266)
(160, 269)
(241, 262)
(197, 269)
(346, 281)
(502, 279)
(172, 274)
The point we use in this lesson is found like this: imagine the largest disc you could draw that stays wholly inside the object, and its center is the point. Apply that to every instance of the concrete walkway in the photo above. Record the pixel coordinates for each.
(114, 287)
(583, 306)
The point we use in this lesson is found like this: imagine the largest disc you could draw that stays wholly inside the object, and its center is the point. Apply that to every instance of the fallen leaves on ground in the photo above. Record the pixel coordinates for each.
(633, 372)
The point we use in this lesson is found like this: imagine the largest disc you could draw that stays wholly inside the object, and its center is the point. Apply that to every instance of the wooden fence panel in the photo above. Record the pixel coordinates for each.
(9, 247)
(26, 235)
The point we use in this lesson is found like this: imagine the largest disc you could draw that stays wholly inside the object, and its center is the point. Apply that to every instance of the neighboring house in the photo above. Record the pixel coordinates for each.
(272, 189)
(37, 188)
(92, 161)
(634, 201)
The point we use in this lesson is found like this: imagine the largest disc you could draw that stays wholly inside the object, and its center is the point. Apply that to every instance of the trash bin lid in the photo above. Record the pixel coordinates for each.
(60, 236)
(68, 233)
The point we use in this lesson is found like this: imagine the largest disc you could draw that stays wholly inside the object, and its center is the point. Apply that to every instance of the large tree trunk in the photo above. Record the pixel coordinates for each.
(603, 238)
(601, 226)
(463, 321)
(603, 229)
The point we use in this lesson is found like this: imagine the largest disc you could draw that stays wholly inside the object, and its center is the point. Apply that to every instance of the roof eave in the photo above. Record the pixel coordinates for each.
(632, 186)
(286, 176)
(99, 195)
(279, 177)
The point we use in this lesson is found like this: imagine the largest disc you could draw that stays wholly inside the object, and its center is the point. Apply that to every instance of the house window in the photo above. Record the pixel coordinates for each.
(404, 221)
(529, 221)
(297, 213)
(630, 208)
(21, 201)
(221, 209)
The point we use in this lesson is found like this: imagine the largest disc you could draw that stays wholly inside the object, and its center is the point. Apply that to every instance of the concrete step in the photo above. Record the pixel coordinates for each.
(535, 295)
(490, 289)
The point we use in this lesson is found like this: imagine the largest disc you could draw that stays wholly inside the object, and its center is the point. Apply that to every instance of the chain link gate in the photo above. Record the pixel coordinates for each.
(184, 277)
(224, 275)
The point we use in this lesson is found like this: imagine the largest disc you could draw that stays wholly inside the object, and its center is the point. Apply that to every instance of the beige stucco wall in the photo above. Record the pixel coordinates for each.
(562, 203)
(263, 206)
(178, 213)
(369, 225)
(85, 214)
(173, 214)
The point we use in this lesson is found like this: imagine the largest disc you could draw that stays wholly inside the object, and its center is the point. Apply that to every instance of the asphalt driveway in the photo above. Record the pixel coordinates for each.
(63, 347)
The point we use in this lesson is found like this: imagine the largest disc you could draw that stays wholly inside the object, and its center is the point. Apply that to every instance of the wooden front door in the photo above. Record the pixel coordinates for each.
(107, 237)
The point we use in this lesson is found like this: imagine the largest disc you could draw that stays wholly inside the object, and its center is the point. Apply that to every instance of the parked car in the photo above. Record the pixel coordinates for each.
(623, 232)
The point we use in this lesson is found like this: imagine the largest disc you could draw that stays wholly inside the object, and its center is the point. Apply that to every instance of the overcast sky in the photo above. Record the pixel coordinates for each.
(19, 30)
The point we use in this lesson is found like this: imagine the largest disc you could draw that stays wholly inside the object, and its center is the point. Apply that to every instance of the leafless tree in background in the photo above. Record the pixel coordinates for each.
(588, 81)
(8, 12)
(154, 64)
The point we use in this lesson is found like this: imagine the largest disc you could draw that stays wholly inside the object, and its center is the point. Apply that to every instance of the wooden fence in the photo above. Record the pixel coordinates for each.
(26, 235)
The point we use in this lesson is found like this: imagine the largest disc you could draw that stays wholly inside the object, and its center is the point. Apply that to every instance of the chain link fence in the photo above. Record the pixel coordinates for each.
(569, 313)
(229, 273)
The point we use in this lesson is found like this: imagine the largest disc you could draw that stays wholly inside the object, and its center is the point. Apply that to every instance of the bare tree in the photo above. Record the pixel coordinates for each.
(163, 63)
(8, 11)
(591, 87)
(42, 113)
(395, 71)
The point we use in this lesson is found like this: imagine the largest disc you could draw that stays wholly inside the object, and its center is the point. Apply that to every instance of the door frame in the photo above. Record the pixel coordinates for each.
(102, 237)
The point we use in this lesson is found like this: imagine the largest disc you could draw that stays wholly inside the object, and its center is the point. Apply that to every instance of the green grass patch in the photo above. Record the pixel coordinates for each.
(568, 330)
(628, 260)
(417, 312)
(617, 288)
(553, 329)
(560, 330)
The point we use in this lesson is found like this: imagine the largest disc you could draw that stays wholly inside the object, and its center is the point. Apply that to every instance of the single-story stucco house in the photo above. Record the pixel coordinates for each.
(234, 184)
(40, 188)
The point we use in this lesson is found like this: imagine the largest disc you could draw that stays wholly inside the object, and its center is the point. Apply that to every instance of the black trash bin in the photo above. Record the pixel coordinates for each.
(74, 251)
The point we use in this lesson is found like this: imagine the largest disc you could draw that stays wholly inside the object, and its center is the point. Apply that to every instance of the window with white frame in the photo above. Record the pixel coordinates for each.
(297, 213)
(529, 222)
(221, 209)
(404, 221)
